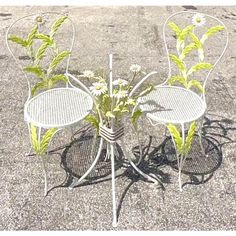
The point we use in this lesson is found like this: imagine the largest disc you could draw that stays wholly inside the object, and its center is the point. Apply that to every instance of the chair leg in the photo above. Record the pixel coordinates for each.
(76, 180)
(114, 222)
(43, 164)
(134, 166)
(30, 150)
(200, 136)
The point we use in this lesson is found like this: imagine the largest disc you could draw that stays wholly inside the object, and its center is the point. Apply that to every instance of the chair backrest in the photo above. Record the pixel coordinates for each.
(41, 45)
(195, 43)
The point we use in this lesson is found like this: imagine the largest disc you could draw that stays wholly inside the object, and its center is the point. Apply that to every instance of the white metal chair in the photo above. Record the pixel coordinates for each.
(51, 109)
(179, 105)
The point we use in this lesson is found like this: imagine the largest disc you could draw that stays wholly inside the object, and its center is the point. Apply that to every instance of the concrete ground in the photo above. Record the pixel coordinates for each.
(133, 34)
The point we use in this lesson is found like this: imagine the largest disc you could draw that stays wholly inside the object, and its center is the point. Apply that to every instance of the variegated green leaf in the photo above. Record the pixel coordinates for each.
(189, 138)
(57, 78)
(178, 79)
(195, 40)
(186, 31)
(179, 63)
(57, 60)
(40, 54)
(39, 86)
(135, 116)
(18, 40)
(110, 114)
(175, 28)
(197, 84)
(177, 137)
(189, 48)
(57, 24)
(199, 66)
(213, 30)
(45, 38)
(37, 70)
(31, 36)
(46, 140)
(93, 120)
(34, 138)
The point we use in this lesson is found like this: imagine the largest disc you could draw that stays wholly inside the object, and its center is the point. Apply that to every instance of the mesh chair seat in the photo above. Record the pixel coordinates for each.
(58, 107)
(172, 104)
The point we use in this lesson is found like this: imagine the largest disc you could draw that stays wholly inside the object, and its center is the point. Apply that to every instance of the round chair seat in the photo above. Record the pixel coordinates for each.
(172, 104)
(58, 107)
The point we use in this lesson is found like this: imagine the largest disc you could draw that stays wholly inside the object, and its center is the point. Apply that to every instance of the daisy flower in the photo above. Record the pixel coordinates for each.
(121, 94)
(88, 74)
(120, 82)
(198, 20)
(135, 68)
(98, 88)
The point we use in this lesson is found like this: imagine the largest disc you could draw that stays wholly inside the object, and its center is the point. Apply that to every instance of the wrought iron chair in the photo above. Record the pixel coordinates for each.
(54, 102)
(175, 106)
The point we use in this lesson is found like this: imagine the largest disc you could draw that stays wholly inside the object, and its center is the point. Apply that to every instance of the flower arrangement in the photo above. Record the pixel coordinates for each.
(113, 101)
(183, 36)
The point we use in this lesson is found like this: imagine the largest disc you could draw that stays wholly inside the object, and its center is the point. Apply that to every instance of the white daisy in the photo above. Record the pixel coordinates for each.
(198, 19)
(98, 88)
(121, 94)
(88, 74)
(135, 68)
(120, 82)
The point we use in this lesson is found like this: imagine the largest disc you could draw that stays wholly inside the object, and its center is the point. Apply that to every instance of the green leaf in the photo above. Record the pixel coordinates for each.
(177, 137)
(57, 24)
(37, 70)
(46, 139)
(195, 40)
(57, 78)
(178, 79)
(34, 138)
(40, 54)
(31, 36)
(93, 120)
(135, 116)
(179, 63)
(186, 31)
(38, 86)
(148, 90)
(187, 50)
(131, 102)
(57, 60)
(189, 138)
(175, 28)
(199, 66)
(45, 38)
(110, 114)
(197, 84)
(18, 40)
(213, 30)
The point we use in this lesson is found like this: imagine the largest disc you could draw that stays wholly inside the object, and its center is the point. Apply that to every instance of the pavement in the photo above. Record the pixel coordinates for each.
(134, 35)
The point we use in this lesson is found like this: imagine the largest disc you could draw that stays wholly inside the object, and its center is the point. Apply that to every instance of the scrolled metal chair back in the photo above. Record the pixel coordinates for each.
(204, 47)
(21, 31)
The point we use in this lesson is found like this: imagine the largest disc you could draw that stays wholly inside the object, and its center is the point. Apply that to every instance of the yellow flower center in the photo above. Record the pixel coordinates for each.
(198, 20)
(98, 87)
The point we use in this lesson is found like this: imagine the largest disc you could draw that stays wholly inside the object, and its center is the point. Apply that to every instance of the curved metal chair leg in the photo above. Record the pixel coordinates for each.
(43, 164)
(112, 156)
(200, 137)
(29, 152)
(134, 166)
(77, 181)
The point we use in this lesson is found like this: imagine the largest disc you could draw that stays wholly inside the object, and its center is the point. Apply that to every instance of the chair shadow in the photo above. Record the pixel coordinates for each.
(76, 159)
(199, 167)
